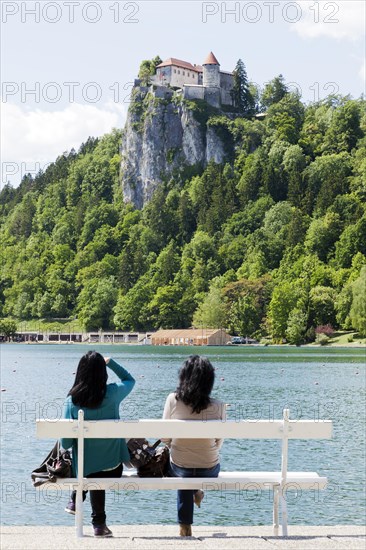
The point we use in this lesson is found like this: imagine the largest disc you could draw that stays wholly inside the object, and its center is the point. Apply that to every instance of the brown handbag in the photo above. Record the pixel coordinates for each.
(149, 460)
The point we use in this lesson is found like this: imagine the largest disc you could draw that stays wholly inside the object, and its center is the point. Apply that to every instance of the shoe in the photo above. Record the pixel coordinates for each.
(185, 530)
(71, 508)
(102, 531)
(198, 497)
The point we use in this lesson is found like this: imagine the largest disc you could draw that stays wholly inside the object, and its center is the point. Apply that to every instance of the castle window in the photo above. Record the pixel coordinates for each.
(187, 74)
(175, 70)
(178, 71)
(183, 73)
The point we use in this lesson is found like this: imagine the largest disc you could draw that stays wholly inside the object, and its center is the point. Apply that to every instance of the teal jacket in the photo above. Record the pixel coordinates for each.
(101, 454)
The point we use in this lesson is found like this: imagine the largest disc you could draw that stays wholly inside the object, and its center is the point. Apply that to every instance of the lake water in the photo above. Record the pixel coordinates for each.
(257, 382)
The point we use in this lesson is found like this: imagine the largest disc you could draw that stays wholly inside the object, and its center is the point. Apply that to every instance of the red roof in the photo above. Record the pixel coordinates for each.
(181, 64)
(211, 60)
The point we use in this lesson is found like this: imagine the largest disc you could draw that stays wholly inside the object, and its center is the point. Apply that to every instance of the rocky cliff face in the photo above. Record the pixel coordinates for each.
(162, 137)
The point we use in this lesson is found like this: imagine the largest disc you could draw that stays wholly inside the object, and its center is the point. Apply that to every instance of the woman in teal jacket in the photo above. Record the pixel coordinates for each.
(99, 401)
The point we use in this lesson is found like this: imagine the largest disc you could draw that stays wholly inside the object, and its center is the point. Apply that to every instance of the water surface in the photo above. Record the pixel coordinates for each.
(256, 382)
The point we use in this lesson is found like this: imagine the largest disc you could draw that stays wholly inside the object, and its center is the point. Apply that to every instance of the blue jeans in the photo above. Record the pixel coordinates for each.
(185, 497)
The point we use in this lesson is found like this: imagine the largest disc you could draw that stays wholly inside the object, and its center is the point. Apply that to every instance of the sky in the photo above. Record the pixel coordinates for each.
(67, 67)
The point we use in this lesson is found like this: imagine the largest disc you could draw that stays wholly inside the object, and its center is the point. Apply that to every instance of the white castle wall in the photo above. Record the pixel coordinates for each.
(212, 96)
(176, 76)
(226, 81)
(193, 92)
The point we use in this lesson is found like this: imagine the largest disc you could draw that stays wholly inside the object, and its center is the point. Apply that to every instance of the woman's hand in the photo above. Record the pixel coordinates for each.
(106, 359)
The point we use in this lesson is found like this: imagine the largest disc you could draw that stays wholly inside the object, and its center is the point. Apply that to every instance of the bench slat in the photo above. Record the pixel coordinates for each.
(249, 481)
(186, 429)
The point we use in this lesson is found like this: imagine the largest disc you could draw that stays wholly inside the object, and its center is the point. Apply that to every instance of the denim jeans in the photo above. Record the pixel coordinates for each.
(185, 497)
(97, 498)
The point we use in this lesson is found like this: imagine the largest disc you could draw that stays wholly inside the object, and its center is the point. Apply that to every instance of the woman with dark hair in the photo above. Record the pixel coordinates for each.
(193, 457)
(99, 401)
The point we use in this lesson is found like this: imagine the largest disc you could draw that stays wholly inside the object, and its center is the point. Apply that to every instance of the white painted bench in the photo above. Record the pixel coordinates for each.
(279, 482)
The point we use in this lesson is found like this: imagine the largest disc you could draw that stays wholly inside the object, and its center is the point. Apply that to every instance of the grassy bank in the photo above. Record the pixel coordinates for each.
(50, 325)
(349, 338)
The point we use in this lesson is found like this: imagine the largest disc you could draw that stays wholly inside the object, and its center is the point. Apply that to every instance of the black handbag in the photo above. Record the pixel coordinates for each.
(58, 463)
(149, 460)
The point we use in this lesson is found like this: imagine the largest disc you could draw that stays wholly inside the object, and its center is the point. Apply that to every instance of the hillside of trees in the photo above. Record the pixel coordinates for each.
(271, 244)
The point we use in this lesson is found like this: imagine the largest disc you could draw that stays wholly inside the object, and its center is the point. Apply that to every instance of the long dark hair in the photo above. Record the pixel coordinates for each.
(196, 380)
(90, 383)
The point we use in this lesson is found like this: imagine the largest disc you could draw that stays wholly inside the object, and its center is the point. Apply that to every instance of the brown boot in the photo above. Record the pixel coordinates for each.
(198, 497)
(185, 530)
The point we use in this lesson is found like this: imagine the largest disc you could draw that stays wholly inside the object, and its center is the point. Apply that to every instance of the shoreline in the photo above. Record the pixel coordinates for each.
(354, 345)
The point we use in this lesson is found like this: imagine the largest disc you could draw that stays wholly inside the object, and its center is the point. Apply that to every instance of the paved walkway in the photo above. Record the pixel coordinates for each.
(164, 537)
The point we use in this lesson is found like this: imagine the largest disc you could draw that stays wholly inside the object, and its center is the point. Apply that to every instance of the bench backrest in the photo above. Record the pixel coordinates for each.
(284, 429)
(189, 429)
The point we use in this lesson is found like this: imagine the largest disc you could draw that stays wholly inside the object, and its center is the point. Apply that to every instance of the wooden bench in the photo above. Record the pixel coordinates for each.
(278, 482)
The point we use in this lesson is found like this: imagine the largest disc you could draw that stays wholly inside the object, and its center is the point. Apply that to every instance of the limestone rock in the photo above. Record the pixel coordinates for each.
(161, 138)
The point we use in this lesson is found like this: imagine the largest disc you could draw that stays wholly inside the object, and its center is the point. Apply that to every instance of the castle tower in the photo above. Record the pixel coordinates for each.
(211, 72)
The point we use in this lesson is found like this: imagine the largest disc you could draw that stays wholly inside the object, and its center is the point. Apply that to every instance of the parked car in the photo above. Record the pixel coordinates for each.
(237, 340)
(241, 340)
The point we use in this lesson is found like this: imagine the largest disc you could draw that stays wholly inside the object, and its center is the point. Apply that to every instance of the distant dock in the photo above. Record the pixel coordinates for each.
(99, 337)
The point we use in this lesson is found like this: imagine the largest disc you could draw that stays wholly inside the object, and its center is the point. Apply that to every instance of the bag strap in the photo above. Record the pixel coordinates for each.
(156, 444)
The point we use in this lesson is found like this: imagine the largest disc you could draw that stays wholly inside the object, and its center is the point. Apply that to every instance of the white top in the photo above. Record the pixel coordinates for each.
(194, 453)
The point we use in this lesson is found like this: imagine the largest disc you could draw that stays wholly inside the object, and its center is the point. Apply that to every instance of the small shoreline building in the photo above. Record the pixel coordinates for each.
(190, 337)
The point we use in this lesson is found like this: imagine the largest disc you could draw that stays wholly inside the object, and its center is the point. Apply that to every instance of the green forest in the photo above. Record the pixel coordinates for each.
(271, 244)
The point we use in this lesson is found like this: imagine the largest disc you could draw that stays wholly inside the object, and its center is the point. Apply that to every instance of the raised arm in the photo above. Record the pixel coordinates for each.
(127, 381)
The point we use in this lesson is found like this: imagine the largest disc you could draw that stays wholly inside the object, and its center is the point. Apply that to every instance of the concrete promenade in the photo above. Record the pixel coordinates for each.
(164, 537)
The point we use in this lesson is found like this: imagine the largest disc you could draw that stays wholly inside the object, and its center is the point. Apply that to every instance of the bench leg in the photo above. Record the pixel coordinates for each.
(276, 494)
(284, 514)
(79, 511)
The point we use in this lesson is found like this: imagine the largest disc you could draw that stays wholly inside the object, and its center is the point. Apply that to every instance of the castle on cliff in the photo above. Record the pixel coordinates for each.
(204, 81)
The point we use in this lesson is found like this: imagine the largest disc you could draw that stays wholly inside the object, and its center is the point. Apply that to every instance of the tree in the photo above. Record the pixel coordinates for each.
(343, 306)
(325, 178)
(251, 176)
(284, 299)
(210, 313)
(96, 302)
(322, 235)
(148, 69)
(245, 304)
(296, 326)
(284, 119)
(163, 308)
(322, 306)
(351, 241)
(344, 129)
(274, 91)
(131, 311)
(241, 93)
(8, 327)
(243, 316)
(294, 163)
(358, 308)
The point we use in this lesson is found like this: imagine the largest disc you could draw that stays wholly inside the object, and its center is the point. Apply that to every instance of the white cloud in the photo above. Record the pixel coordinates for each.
(32, 138)
(343, 19)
